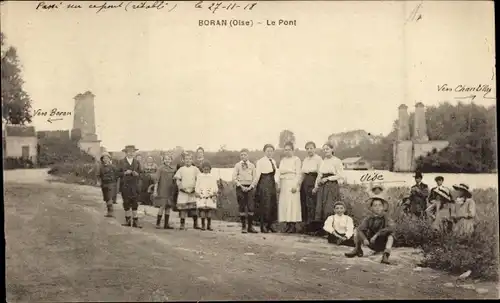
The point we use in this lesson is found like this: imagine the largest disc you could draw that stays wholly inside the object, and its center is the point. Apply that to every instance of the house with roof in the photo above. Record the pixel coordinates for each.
(356, 163)
(20, 142)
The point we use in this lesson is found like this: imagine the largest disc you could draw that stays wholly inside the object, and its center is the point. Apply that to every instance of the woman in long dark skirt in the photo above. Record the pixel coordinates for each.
(310, 168)
(266, 190)
(327, 188)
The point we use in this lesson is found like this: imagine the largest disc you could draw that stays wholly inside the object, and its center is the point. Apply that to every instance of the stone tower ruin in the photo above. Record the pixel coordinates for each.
(407, 148)
(84, 128)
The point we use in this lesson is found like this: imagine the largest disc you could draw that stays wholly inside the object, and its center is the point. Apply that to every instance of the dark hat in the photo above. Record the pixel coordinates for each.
(463, 187)
(129, 147)
(439, 178)
(418, 175)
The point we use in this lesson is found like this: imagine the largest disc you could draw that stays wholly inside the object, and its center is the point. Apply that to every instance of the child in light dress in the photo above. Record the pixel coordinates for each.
(440, 209)
(186, 181)
(464, 212)
(206, 194)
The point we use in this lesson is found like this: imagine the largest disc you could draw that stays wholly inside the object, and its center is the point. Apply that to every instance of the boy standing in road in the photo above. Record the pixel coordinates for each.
(130, 169)
(243, 176)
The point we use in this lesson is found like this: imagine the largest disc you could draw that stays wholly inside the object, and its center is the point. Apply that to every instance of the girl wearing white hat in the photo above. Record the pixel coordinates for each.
(464, 211)
(442, 204)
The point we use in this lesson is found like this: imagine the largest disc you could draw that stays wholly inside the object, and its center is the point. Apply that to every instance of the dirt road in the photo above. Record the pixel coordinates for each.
(61, 248)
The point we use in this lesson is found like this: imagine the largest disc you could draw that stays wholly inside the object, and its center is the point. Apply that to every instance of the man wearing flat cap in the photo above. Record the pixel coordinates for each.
(129, 171)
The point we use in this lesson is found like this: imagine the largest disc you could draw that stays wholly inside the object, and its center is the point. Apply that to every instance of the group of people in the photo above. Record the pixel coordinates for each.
(448, 212)
(299, 191)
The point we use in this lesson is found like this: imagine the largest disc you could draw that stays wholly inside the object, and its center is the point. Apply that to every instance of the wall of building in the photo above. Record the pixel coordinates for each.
(61, 134)
(14, 146)
(403, 156)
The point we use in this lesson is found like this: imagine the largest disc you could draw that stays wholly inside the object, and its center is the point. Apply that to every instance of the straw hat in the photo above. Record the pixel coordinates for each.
(444, 192)
(105, 154)
(379, 197)
(129, 147)
(463, 187)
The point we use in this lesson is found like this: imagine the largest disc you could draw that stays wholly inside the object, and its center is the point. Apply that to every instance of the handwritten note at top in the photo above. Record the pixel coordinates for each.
(102, 6)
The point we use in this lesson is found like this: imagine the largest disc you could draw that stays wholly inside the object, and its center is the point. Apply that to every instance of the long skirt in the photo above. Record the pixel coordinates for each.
(289, 208)
(463, 228)
(442, 222)
(308, 198)
(265, 198)
(328, 194)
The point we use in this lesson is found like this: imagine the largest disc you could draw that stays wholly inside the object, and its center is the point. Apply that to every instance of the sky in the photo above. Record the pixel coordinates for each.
(160, 80)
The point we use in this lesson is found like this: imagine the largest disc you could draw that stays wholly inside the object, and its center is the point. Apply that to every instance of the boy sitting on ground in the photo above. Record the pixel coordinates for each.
(375, 231)
(340, 227)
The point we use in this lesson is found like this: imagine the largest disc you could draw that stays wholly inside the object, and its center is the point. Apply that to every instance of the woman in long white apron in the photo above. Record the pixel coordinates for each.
(289, 207)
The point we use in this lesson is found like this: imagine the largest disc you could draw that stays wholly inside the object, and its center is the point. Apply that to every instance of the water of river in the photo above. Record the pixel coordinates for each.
(401, 179)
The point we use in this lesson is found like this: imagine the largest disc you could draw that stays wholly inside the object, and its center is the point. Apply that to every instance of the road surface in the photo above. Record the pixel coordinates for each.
(60, 247)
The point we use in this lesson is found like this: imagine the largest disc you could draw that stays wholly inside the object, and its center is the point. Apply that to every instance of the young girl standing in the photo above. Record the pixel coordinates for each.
(440, 209)
(206, 190)
(464, 211)
(164, 190)
(186, 181)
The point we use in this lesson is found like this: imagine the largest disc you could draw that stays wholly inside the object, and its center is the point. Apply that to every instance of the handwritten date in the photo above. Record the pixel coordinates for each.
(215, 6)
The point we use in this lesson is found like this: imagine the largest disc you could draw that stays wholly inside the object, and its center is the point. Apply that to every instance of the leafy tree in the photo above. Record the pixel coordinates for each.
(16, 103)
(286, 136)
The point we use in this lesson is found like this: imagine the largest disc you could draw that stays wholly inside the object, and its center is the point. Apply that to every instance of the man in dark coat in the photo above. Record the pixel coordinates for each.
(129, 170)
(418, 196)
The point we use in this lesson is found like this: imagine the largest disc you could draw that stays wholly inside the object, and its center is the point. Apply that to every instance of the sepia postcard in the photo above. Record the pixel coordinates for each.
(249, 150)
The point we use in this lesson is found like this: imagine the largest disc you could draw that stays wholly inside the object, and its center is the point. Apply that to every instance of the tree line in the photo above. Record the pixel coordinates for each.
(470, 129)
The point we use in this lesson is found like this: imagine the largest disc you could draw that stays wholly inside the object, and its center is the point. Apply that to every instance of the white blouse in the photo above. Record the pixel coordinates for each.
(340, 224)
(311, 164)
(290, 168)
(263, 166)
(187, 176)
(331, 165)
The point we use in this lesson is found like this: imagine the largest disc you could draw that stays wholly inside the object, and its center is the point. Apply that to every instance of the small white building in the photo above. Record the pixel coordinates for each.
(356, 163)
(20, 141)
